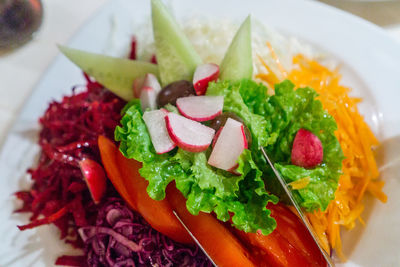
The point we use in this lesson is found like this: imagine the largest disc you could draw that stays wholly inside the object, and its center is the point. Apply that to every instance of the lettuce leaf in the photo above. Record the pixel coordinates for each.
(288, 111)
(206, 188)
(133, 134)
(274, 121)
(248, 100)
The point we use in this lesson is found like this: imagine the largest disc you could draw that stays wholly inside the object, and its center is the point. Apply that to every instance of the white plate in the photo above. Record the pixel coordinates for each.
(371, 65)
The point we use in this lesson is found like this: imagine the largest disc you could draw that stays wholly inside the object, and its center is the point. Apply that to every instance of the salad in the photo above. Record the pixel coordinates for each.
(148, 144)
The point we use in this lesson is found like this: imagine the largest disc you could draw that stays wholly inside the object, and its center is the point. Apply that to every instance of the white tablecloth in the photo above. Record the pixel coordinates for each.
(21, 70)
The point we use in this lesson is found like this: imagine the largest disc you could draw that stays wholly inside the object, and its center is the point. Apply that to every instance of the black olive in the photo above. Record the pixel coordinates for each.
(221, 120)
(170, 93)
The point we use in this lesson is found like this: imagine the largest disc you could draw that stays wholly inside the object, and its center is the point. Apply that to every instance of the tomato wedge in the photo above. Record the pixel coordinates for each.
(108, 153)
(288, 245)
(221, 245)
(124, 175)
(157, 213)
(294, 231)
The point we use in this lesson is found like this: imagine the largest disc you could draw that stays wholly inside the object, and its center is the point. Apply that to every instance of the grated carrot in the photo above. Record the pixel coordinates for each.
(360, 172)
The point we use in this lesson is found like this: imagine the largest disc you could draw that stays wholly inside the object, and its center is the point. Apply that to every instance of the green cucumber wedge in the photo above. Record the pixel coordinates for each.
(238, 61)
(176, 57)
(116, 74)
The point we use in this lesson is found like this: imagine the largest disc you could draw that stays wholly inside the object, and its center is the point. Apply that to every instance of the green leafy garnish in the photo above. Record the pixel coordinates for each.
(288, 111)
(274, 122)
(207, 189)
(247, 99)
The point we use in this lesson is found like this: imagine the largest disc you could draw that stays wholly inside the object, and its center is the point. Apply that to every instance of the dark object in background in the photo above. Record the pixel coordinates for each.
(19, 20)
(170, 93)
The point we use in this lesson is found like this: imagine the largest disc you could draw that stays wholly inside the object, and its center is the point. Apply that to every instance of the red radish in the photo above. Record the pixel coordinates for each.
(150, 80)
(137, 86)
(307, 149)
(216, 136)
(148, 98)
(204, 74)
(95, 178)
(229, 146)
(234, 170)
(132, 54)
(155, 122)
(188, 134)
(153, 59)
(165, 111)
(200, 108)
(147, 88)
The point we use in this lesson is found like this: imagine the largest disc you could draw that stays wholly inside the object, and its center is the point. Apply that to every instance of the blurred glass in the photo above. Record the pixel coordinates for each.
(19, 20)
(381, 12)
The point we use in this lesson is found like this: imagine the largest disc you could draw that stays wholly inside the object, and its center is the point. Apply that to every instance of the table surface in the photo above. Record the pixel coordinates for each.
(22, 69)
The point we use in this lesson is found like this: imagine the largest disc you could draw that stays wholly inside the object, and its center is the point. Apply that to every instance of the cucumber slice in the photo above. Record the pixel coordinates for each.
(176, 57)
(238, 61)
(116, 74)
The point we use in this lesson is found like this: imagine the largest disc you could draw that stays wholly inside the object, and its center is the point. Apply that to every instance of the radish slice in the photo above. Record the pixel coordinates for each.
(229, 146)
(149, 90)
(200, 108)
(137, 86)
(95, 178)
(204, 74)
(150, 80)
(148, 98)
(188, 134)
(155, 122)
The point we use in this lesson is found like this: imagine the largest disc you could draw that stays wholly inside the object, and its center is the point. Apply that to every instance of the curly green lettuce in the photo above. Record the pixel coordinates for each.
(247, 99)
(206, 188)
(274, 121)
(290, 110)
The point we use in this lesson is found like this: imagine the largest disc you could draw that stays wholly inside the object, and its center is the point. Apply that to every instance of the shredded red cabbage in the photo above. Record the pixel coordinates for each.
(122, 237)
(110, 233)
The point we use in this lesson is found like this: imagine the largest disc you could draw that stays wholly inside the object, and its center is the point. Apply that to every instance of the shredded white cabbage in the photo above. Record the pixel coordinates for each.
(211, 42)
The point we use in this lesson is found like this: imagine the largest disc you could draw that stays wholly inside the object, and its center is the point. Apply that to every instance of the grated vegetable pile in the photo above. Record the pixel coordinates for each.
(59, 194)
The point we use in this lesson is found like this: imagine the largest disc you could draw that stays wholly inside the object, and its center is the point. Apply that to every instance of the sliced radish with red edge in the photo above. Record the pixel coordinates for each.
(155, 122)
(148, 98)
(204, 74)
(229, 146)
(95, 178)
(148, 92)
(137, 86)
(188, 134)
(200, 108)
(150, 80)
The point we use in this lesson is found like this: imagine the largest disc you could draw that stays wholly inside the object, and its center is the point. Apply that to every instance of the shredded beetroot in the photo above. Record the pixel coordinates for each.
(70, 128)
(79, 261)
(47, 220)
(132, 54)
(153, 59)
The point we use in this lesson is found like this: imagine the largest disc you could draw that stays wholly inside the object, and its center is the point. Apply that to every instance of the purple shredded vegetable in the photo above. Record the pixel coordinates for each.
(121, 237)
